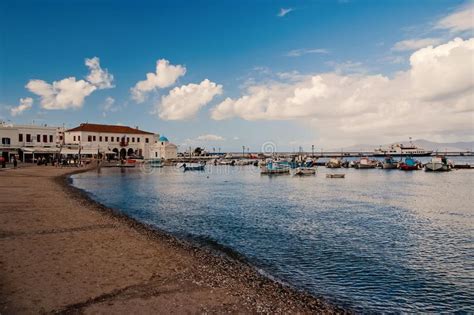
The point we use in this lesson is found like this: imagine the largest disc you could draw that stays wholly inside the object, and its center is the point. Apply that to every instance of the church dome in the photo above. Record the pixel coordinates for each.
(163, 139)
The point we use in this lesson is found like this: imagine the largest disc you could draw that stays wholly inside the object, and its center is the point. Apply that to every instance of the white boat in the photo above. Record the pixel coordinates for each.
(400, 149)
(154, 162)
(301, 171)
(389, 163)
(334, 163)
(365, 162)
(438, 164)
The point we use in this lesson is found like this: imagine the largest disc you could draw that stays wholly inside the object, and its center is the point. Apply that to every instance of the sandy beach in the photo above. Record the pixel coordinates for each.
(63, 253)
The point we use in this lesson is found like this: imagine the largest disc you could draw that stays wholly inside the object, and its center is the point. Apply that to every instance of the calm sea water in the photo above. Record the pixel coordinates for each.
(378, 240)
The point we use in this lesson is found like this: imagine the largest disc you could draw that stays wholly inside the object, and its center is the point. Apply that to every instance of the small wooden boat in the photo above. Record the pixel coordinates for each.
(365, 163)
(410, 164)
(193, 167)
(389, 163)
(274, 169)
(154, 163)
(334, 163)
(335, 175)
(438, 164)
(302, 171)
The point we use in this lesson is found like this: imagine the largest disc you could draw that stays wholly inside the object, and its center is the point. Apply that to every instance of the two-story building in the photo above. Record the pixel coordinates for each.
(109, 139)
(26, 141)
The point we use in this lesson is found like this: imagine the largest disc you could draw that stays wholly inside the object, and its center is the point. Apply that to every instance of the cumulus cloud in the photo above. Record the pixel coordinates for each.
(303, 51)
(210, 137)
(25, 104)
(64, 94)
(164, 76)
(185, 101)
(109, 106)
(414, 44)
(433, 95)
(69, 92)
(284, 11)
(98, 77)
(459, 21)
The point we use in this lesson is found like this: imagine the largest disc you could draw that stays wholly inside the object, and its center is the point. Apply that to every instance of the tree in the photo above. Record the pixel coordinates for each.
(198, 151)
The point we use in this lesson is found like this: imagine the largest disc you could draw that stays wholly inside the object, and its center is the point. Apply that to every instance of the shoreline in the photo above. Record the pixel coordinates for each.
(219, 282)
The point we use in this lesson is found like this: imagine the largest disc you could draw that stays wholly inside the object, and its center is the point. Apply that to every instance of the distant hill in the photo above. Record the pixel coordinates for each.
(425, 144)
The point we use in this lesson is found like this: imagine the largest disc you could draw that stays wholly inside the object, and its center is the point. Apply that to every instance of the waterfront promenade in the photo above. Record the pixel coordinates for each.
(63, 253)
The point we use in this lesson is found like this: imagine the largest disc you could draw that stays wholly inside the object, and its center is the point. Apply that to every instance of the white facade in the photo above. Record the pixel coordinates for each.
(106, 139)
(29, 139)
(163, 149)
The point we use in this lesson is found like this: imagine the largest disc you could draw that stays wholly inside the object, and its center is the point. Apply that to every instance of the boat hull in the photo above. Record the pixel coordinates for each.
(305, 171)
(282, 171)
(389, 166)
(401, 154)
(437, 167)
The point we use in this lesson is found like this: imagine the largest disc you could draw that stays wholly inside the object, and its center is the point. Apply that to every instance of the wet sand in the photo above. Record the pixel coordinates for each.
(64, 253)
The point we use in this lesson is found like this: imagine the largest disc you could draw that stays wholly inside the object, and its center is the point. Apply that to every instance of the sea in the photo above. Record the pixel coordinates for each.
(375, 241)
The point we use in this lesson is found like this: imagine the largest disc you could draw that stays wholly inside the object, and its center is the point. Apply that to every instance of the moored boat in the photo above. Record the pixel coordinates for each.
(365, 163)
(301, 171)
(272, 168)
(438, 164)
(410, 164)
(193, 167)
(154, 163)
(335, 175)
(334, 163)
(389, 163)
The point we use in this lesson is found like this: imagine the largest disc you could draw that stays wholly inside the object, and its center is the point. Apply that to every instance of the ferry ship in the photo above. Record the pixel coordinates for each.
(400, 149)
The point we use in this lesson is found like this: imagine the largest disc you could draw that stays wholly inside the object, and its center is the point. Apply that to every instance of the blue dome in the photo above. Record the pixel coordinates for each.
(163, 139)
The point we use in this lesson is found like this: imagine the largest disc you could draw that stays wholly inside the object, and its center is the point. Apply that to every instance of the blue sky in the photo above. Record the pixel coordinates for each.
(234, 44)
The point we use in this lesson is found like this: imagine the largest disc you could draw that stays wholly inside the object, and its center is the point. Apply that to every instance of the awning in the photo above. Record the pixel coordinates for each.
(89, 151)
(69, 151)
(40, 150)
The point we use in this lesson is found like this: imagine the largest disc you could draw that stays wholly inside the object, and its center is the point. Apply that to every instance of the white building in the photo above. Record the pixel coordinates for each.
(109, 139)
(28, 141)
(163, 149)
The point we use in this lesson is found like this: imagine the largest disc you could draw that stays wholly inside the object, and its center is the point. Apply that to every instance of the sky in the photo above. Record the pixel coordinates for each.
(227, 74)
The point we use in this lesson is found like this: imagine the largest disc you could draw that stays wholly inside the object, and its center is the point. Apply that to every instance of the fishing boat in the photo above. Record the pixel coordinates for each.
(302, 170)
(272, 168)
(334, 163)
(410, 164)
(193, 167)
(335, 175)
(365, 163)
(389, 163)
(154, 163)
(438, 164)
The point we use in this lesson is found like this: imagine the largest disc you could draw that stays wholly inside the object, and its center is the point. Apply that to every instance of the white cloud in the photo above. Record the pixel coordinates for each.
(98, 77)
(25, 104)
(165, 76)
(210, 137)
(414, 44)
(459, 21)
(69, 92)
(284, 12)
(185, 101)
(433, 97)
(64, 94)
(109, 106)
(304, 51)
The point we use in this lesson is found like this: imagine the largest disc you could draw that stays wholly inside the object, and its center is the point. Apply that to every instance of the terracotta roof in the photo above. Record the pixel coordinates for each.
(109, 129)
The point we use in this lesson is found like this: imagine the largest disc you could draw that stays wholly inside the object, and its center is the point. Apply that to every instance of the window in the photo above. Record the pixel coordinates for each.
(128, 139)
(94, 138)
(38, 138)
(50, 138)
(106, 139)
(133, 139)
(61, 138)
(156, 154)
(78, 138)
(20, 137)
(89, 138)
(74, 138)
(100, 139)
(138, 139)
(28, 137)
(6, 141)
(146, 140)
(45, 138)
